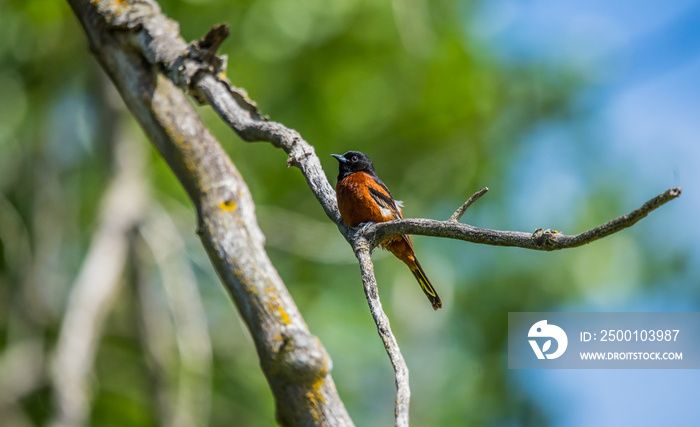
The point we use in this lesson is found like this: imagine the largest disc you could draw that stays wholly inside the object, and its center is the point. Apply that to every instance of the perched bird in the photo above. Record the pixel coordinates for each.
(363, 198)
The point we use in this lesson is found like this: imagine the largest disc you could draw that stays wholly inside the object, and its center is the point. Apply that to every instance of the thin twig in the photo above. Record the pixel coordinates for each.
(543, 240)
(403, 390)
(462, 209)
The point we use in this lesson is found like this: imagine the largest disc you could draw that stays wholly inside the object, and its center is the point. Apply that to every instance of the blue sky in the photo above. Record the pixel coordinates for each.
(643, 59)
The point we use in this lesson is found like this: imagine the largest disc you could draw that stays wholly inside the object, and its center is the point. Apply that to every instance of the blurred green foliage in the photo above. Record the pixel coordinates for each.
(438, 113)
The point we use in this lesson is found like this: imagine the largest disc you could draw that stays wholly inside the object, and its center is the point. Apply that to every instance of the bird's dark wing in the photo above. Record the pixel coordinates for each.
(386, 202)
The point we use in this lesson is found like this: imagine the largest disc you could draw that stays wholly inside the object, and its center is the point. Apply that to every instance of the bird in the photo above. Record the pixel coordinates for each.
(363, 198)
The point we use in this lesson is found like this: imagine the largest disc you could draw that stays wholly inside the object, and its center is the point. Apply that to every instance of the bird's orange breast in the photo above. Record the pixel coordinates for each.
(355, 203)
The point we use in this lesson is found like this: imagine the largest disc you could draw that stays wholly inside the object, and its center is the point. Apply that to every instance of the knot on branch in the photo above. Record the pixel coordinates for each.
(300, 358)
(298, 152)
(546, 239)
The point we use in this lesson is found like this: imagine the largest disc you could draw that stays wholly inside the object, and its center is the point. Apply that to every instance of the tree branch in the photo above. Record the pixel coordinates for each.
(542, 240)
(251, 127)
(462, 209)
(136, 45)
(403, 391)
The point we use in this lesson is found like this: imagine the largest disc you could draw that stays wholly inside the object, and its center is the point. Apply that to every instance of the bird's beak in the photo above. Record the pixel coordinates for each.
(340, 158)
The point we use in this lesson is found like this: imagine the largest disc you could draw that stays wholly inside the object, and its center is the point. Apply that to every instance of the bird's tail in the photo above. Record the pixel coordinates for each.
(425, 284)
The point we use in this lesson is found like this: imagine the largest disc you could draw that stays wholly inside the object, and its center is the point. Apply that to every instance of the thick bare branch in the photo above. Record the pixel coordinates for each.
(543, 240)
(135, 43)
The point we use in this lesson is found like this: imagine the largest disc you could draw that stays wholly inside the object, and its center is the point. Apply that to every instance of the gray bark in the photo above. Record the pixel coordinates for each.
(295, 363)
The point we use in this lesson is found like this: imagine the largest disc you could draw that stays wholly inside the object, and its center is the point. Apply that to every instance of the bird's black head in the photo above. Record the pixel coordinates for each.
(353, 161)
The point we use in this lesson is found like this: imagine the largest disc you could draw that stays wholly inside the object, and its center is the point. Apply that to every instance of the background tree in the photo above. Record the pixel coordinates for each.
(406, 85)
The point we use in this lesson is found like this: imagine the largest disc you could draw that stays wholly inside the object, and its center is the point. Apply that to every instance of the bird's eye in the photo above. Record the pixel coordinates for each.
(354, 158)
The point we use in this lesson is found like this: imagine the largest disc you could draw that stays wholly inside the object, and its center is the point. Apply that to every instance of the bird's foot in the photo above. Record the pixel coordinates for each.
(363, 226)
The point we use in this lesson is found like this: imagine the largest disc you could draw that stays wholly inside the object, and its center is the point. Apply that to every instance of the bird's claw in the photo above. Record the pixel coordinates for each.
(363, 226)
